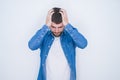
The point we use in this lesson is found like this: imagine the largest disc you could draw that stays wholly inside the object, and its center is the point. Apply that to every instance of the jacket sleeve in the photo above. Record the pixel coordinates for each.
(36, 41)
(79, 40)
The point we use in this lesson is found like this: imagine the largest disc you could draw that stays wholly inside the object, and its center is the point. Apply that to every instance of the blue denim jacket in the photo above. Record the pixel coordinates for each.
(70, 39)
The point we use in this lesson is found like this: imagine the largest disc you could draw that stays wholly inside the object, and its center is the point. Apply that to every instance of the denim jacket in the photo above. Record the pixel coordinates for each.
(70, 39)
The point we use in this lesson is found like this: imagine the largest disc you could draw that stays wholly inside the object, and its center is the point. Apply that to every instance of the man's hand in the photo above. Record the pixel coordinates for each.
(64, 17)
(48, 19)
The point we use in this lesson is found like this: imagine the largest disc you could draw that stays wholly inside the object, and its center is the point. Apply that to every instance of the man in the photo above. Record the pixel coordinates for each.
(57, 41)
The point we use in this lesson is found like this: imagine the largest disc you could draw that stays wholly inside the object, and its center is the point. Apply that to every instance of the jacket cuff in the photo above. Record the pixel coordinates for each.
(68, 27)
(45, 28)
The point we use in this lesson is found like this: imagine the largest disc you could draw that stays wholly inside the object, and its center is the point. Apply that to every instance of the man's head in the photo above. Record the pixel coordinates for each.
(57, 26)
(56, 17)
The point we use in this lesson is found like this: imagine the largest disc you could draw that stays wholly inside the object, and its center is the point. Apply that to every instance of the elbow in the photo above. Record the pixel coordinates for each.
(31, 46)
(84, 44)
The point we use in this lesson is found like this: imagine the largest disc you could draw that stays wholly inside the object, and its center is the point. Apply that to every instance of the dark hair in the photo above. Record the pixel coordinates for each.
(56, 17)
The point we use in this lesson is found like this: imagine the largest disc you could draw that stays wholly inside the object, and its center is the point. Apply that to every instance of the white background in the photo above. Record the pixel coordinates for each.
(97, 20)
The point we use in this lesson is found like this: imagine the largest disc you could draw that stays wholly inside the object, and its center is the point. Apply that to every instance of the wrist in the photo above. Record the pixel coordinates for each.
(65, 23)
(48, 24)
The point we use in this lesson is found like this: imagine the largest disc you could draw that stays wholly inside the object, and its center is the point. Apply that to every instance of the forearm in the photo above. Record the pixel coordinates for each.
(36, 41)
(77, 37)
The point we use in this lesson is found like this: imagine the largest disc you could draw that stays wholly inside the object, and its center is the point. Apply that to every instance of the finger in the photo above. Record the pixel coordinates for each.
(62, 14)
(50, 12)
(62, 10)
(51, 15)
